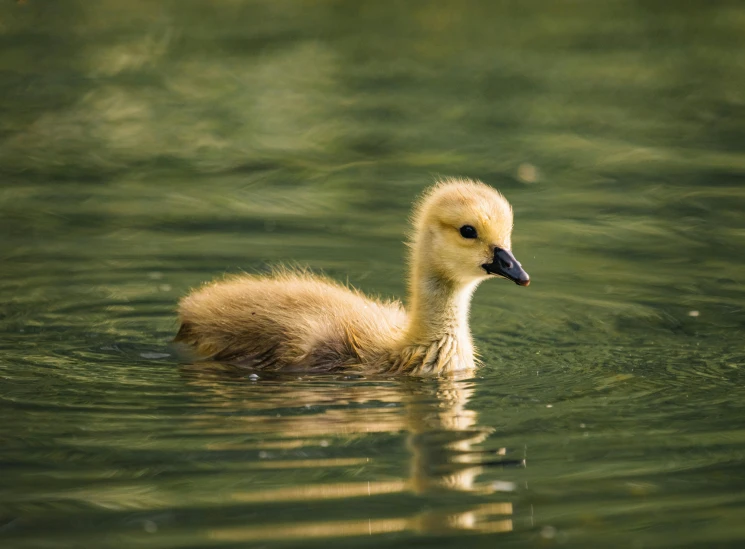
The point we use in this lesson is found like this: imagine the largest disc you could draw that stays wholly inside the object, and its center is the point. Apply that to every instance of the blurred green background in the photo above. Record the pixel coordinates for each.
(146, 147)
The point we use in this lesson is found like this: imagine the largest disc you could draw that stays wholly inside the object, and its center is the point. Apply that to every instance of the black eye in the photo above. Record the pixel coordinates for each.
(466, 231)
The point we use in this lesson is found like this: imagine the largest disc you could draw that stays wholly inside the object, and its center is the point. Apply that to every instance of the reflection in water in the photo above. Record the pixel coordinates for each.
(478, 519)
(441, 435)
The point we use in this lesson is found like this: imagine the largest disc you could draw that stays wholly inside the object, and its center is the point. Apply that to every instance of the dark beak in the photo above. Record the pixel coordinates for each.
(506, 265)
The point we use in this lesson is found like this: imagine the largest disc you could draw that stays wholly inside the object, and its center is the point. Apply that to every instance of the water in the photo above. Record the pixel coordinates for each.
(146, 147)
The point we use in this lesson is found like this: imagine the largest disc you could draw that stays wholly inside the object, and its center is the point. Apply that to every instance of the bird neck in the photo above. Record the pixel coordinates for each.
(437, 308)
(438, 336)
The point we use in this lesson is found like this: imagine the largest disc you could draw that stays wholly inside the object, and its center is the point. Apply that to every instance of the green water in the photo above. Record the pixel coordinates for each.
(146, 147)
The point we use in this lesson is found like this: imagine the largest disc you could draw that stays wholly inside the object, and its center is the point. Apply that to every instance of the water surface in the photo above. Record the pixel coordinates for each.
(146, 147)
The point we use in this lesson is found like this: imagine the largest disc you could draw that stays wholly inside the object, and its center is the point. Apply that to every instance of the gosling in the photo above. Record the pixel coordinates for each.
(292, 320)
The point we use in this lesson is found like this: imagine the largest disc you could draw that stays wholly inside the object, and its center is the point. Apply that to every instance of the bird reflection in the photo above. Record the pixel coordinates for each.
(441, 434)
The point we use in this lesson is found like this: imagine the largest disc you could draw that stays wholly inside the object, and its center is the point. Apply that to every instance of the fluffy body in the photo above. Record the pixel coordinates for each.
(293, 320)
(288, 320)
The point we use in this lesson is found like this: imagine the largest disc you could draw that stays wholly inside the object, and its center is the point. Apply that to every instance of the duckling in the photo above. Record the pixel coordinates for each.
(294, 320)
